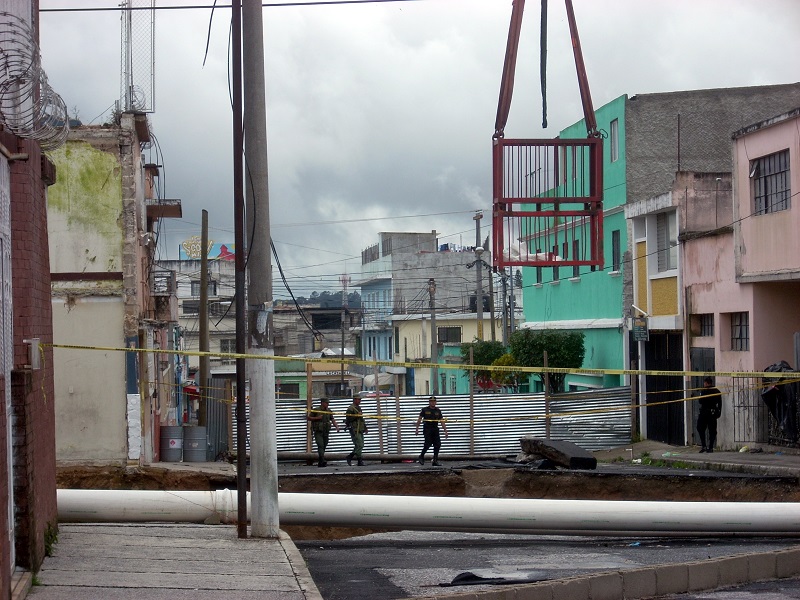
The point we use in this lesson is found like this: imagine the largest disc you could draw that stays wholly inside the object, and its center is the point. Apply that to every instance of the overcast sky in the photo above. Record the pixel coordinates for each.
(380, 116)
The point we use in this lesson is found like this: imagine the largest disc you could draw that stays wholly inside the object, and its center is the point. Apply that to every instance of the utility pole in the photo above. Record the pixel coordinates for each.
(202, 385)
(434, 342)
(238, 226)
(503, 282)
(491, 297)
(345, 280)
(478, 273)
(261, 368)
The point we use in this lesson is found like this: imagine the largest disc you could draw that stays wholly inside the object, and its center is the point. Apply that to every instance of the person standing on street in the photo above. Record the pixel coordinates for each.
(710, 410)
(355, 424)
(431, 416)
(321, 419)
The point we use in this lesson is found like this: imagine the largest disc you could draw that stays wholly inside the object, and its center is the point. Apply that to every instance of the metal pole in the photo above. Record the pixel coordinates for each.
(504, 282)
(434, 344)
(202, 386)
(261, 368)
(546, 399)
(478, 273)
(344, 279)
(491, 298)
(479, 295)
(238, 225)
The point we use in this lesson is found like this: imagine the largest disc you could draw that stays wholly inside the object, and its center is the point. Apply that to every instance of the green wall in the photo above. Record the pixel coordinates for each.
(594, 294)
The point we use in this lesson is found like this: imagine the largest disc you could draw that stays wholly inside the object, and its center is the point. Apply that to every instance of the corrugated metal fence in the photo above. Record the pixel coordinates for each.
(491, 424)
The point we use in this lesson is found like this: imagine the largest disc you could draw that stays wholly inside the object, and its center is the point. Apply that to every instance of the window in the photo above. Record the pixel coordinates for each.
(538, 269)
(285, 391)
(555, 269)
(576, 252)
(706, 325)
(397, 340)
(771, 187)
(227, 345)
(616, 251)
(615, 140)
(667, 241)
(191, 307)
(448, 335)
(212, 288)
(740, 331)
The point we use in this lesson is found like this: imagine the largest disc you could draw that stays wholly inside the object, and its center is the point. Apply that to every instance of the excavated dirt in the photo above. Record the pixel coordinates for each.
(657, 484)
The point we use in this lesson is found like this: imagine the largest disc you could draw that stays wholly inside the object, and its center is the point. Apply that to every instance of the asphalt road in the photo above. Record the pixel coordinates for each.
(408, 564)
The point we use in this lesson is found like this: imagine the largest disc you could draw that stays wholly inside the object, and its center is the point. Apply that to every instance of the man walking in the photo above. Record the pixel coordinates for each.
(431, 416)
(710, 410)
(355, 424)
(321, 419)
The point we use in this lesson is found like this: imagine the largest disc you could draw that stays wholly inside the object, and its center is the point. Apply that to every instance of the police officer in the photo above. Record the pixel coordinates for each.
(321, 419)
(355, 424)
(710, 410)
(431, 416)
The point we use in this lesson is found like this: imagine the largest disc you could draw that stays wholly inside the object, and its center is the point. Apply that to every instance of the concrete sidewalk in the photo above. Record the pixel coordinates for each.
(171, 562)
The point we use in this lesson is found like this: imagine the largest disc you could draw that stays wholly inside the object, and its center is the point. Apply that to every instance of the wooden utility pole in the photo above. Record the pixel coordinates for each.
(238, 227)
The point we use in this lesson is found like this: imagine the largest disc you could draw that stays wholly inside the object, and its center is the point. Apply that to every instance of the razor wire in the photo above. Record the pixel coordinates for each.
(29, 107)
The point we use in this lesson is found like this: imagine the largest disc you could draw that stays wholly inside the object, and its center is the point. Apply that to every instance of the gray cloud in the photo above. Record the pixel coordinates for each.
(388, 109)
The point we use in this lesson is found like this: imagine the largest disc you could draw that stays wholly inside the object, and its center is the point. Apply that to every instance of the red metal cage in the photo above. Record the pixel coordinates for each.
(548, 202)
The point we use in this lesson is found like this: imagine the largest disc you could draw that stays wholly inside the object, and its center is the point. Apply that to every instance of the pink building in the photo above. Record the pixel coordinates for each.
(741, 276)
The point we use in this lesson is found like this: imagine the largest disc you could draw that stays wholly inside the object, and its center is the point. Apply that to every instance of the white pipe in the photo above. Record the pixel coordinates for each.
(503, 515)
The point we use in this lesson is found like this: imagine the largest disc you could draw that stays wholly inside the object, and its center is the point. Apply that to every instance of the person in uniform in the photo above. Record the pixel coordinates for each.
(431, 416)
(710, 410)
(321, 419)
(355, 424)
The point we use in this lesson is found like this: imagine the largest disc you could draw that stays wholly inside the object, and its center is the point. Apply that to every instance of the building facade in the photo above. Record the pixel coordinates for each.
(651, 138)
(28, 511)
(103, 227)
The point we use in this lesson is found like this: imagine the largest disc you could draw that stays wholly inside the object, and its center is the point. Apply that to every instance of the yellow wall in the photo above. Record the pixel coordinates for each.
(665, 296)
(641, 275)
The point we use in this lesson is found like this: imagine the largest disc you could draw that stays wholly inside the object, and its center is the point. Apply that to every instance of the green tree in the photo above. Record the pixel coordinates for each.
(483, 353)
(505, 378)
(564, 349)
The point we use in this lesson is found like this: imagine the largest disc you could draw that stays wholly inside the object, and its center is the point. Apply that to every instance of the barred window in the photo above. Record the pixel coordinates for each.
(448, 335)
(771, 186)
(740, 331)
(706, 324)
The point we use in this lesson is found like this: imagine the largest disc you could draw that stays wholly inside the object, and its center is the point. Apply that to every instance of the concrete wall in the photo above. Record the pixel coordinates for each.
(90, 391)
(691, 131)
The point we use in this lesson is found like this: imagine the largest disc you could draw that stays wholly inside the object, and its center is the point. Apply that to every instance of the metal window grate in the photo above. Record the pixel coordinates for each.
(771, 185)
(740, 331)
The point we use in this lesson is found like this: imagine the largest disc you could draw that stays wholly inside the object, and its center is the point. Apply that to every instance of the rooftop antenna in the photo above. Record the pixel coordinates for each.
(138, 56)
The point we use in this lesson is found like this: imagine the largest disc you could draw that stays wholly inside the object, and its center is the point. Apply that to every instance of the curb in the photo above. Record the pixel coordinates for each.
(301, 572)
(649, 582)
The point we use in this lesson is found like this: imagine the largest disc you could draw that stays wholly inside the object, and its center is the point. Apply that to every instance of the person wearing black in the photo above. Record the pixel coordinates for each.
(355, 424)
(431, 416)
(710, 410)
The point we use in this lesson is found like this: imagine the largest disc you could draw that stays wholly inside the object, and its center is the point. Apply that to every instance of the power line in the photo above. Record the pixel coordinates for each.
(208, 6)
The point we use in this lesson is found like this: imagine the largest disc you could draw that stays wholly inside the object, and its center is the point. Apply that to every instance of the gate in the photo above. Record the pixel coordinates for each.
(665, 423)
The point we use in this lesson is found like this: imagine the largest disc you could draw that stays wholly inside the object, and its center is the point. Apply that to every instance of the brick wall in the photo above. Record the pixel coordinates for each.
(32, 391)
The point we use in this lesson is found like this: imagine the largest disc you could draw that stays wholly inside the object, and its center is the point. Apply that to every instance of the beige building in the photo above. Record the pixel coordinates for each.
(107, 295)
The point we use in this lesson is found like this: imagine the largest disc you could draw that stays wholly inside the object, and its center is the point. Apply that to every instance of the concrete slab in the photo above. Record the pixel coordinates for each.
(171, 562)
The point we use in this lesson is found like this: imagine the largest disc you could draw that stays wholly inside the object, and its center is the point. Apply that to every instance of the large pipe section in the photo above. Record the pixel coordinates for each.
(498, 515)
